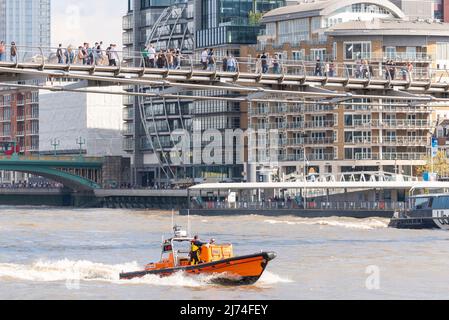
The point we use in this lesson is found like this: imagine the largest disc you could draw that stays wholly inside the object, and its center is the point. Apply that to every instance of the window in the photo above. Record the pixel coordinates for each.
(357, 50)
(357, 7)
(293, 31)
(316, 24)
(348, 120)
(270, 28)
(411, 52)
(298, 55)
(442, 55)
(391, 134)
(318, 53)
(334, 51)
(390, 52)
(422, 203)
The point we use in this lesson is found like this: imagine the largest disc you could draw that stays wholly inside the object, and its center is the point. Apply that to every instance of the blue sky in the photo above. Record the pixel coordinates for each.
(75, 22)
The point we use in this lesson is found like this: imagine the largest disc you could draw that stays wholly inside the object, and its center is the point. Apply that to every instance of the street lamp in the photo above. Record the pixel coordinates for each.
(55, 144)
(81, 142)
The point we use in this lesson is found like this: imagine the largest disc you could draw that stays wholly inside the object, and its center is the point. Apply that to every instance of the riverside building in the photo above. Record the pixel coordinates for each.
(167, 25)
(28, 24)
(382, 134)
(150, 123)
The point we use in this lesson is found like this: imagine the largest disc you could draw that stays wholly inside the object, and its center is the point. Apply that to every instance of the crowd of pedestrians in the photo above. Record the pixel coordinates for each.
(164, 59)
(31, 185)
(156, 186)
(88, 55)
(12, 51)
(171, 59)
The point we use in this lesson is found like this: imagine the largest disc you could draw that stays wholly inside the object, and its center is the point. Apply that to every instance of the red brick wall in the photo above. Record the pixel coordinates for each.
(446, 10)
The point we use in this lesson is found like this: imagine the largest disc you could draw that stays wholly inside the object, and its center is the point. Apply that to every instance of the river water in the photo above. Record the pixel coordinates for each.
(44, 251)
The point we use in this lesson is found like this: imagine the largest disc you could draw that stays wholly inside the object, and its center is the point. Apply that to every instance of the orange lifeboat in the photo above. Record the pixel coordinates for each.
(217, 260)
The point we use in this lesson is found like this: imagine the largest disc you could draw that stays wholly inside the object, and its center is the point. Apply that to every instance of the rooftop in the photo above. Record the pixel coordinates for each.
(323, 8)
(390, 27)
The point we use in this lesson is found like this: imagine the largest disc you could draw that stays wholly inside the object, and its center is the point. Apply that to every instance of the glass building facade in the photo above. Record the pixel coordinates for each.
(26, 22)
(227, 22)
(149, 123)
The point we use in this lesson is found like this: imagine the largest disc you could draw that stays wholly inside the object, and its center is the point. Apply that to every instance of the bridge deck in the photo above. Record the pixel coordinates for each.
(188, 77)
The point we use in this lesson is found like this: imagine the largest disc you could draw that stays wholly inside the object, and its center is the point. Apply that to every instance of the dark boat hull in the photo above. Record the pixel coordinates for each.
(421, 219)
(413, 223)
(244, 270)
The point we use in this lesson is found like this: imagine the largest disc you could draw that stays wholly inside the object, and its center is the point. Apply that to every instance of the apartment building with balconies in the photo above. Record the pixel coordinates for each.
(354, 30)
(19, 125)
(19, 119)
(332, 138)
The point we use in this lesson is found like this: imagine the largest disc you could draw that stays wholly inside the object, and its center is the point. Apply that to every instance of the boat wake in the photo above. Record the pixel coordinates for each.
(363, 224)
(73, 272)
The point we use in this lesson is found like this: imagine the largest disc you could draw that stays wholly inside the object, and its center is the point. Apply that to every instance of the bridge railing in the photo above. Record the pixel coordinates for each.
(50, 158)
(174, 60)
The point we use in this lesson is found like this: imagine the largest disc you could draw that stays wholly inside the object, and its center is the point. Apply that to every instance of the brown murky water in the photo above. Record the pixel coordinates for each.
(44, 251)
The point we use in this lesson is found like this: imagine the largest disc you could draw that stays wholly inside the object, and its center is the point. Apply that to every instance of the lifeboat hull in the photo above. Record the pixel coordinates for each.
(244, 270)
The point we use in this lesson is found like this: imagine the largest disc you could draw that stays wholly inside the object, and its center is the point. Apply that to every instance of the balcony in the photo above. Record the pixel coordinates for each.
(366, 109)
(360, 124)
(394, 124)
(319, 124)
(402, 141)
(33, 116)
(292, 109)
(128, 145)
(359, 140)
(128, 22)
(310, 157)
(301, 125)
(129, 131)
(306, 141)
(128, 114)
(407, 156)
(399, 124)
(128, 38)
(403, 56)
(128, 100)
(404, 156)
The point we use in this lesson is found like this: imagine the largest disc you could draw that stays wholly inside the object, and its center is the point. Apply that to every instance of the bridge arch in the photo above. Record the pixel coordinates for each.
(69, 180)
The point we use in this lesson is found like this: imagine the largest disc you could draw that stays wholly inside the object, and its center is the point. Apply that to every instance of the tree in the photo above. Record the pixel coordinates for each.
(254, 18)
(440, 165)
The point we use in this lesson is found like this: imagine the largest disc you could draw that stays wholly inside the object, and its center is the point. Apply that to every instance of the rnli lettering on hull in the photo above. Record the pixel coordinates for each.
(442, 223)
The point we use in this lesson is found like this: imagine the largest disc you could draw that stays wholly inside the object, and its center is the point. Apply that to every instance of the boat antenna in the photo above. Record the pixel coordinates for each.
(172, 219)
(188, 222)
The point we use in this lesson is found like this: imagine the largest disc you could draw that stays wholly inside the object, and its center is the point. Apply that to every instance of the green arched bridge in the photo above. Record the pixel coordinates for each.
(77, 173)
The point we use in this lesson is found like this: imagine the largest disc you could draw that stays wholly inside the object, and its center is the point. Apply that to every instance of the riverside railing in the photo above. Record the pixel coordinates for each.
(365, 71)
(310, 205)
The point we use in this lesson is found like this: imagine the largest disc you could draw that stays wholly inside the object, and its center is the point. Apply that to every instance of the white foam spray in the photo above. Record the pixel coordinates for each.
(363, 224)
(85, 271)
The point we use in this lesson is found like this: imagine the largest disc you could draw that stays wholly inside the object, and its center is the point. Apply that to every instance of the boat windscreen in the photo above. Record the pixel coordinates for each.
(183, 247)
(422, 203)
